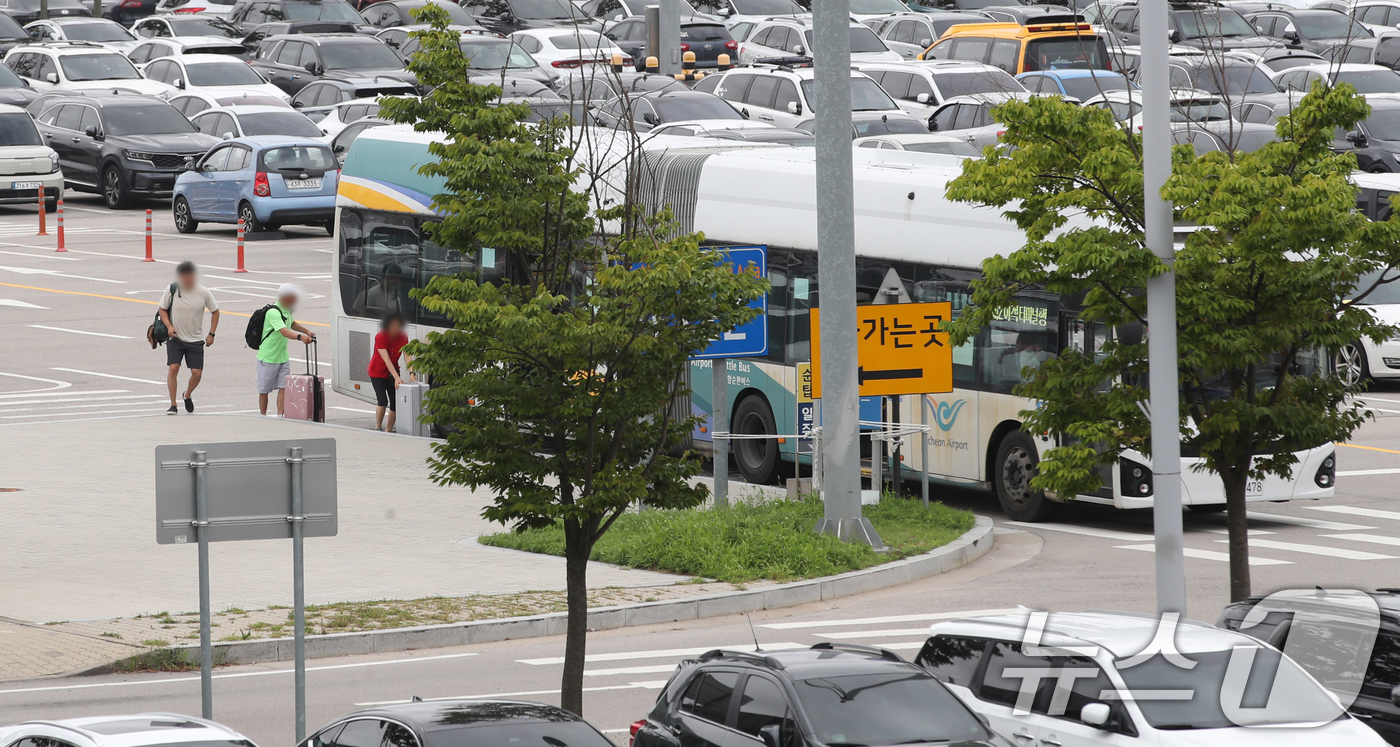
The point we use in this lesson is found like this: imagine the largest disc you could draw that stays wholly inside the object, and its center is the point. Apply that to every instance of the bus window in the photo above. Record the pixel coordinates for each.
(439, 260)
(493, 266)
(957, 291)
(778, 293)
(389, 250)
(352, 268)
(1019, 337)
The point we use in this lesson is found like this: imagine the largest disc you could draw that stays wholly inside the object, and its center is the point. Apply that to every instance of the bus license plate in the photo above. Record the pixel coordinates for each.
(26, 185)
(303, 184)
(1254, 487)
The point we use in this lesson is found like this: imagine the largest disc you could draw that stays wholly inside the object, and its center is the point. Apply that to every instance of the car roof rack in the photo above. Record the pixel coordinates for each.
(782, 63)
(757, 657)
(857, 648)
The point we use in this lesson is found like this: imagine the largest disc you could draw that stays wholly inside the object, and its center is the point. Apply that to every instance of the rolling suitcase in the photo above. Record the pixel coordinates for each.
(408, 404)
(306, 393)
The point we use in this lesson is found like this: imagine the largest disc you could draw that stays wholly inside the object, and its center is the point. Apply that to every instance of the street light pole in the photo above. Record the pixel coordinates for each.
(670, 42)
(1162, 366)
(836, 276)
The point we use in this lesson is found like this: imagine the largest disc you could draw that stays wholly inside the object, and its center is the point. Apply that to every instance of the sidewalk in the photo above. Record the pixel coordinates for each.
(80, 539)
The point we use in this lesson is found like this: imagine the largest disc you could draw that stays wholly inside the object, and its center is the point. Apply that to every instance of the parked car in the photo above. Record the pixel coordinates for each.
(95, 30)
(948, 145)
(1080, 85)
(736, 11)
(124, 147)
(247, 14)
(984, 662)
(737, 129)
(212, 74)
(27, 163)
(152, 49)
(293, 61)
(266, 181)
(247, 121)
(909, 34)
(119, 731)
(866, 123)
(783, 98)
(1028, 14)
(610, 86)
(490, 54)
(569, 48)
(209, 7)
(25, 11)
(919, 88)
(253, 40)
(707, 39)
(970, 117)
(1239, 78)
(1192, 24)
(508, 16)
(832, 693)
(11, 34)
(1020, 49)
(185, 24)
(1366, 79)
(1376, 140)
(190, 104)
(318, 99)
(344, 114)
(1311, 30)
(77, 66)
(646, 111)
(340, 144)
(616, 10)
(400, 36)
(388, 13)
(14, 90)
(439, 723)
(792, 37)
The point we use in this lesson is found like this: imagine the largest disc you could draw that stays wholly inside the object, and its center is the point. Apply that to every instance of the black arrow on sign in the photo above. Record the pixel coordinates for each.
(863, 376)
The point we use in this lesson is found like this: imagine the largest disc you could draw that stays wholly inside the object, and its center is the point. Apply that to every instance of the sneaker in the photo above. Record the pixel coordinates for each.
(173, 410)
(189, 405)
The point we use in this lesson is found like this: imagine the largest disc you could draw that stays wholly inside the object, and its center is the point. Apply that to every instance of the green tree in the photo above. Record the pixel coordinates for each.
(1260, 289)
(558, 387)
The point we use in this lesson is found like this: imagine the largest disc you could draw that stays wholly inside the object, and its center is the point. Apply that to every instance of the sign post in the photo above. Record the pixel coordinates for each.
(247, 491)
(719, 423)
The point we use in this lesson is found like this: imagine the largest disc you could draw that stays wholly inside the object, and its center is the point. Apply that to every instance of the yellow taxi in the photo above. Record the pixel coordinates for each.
(1044, 45)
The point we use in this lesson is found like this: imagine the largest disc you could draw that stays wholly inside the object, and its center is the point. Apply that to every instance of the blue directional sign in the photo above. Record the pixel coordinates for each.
(750, 339)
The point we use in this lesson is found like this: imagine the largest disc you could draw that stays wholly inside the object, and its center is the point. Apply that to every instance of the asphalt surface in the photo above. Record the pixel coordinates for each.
(78, 318)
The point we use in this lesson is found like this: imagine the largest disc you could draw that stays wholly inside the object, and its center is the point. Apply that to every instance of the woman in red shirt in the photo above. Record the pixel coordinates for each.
(384, 367)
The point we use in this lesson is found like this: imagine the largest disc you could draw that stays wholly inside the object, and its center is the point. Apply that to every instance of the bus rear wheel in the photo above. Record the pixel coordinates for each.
(757, 458)
(1015, 466)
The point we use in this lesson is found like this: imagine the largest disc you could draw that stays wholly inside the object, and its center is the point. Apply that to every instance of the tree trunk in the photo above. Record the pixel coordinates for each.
(1237, 526)
(576, 551)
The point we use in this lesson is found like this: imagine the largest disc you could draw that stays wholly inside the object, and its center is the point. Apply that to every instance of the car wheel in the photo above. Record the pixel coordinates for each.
(51, 204)
(1378, 169)
(1350, 364)
(184, 221)
(1016, 463)
(330, 227)
(757, 458)
(249, 218)
(114, 189)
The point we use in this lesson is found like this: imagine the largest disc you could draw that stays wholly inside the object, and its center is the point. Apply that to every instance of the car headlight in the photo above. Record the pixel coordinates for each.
(53, 162)
(136, 155)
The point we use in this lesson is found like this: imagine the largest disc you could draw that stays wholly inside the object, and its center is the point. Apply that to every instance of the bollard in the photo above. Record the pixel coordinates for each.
(148, 258)
(617, 63)
(240, 246)
(60, 226)
(653, 65)
(42, 214)
(723, 62)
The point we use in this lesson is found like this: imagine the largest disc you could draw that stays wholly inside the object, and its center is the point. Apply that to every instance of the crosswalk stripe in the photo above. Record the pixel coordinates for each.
(65, 406)
(883, 620)
(1370, 513)
(650, 669)
(1301, 521)
(1364, 472)
(852, 634)
(56, 403)
(1375, 539)
(651, 685)
(658, 653)
(1191, 552)
(1331, 552)
(65, 393)
(1086, 531)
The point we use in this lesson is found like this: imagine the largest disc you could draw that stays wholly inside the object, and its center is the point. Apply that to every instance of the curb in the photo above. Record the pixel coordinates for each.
(972, 545)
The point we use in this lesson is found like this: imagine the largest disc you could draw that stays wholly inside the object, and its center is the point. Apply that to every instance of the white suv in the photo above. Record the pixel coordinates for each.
(1091, 679)
(792, 37)
(79, 66)
(921, 87)
(27, 165)
(782, 96)
(144, 729)
(1362, 360)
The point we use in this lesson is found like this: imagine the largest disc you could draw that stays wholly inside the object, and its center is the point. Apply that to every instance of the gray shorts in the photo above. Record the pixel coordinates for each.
(272, 376)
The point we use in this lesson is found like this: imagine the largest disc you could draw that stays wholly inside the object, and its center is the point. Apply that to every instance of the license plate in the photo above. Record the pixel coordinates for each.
(1254, 487)
(303, 184)
(30, 185)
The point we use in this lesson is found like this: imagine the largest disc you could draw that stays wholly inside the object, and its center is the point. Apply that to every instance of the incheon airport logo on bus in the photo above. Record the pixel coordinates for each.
(946, 413)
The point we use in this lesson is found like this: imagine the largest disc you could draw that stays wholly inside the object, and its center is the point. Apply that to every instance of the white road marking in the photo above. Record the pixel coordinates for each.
(1369, 398)
(653, 685)
(1375, 539)
(79, 331)
(884, 620)
(1334, 526)
(352, 409)
(233, 675)
(664, 653)
(57, 403)
(49, 393)
(1086, 531)
(1331, 552)
(107, 375)
(319, 363)
(272, 283)
(1381, 409)
(56, 384)
(57, 274)
(1208, 554)
(1364, 472)
(1251, 532)
(43, 414)
(652, 669)
(20, 304)
(80, 420)
(1370, 513)
(855, 634)
(49, 255)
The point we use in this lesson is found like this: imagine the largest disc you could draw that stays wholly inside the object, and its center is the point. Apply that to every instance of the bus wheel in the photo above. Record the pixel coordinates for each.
(1015, 466)
(757, 458)
(1206, 508)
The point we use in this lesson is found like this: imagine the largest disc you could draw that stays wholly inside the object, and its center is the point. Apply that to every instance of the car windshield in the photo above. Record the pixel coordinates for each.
(1280, 64)
(1122, 109)
(332, 10)
(97, 31)
(1200, 22)
(982, 81)
(147, 119)
(1237, 79)
(1329, 25)
(1387, 292)
(1088, 87)
(202, 27)
(223, 74)
(98, 67)
(704, 32)
(866, 95)
(8, 79)
(582, 40)
(948, 147)
(291, 124)
(542, 110)
(896, 707)
(17, 128)
(695, 106)
(544, 9)
(494, 54)
(862, 40)
(1372, 81)
(507, 734)
(354, 55)
(9, 29)
(767, 7)
(1383, 124)
(1274, 690)
(251, 101)
(881, 7)
(1067, 52)
(297, 158)
(1199, 111)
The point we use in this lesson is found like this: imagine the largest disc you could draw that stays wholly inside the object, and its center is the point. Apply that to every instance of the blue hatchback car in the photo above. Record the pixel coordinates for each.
(1075, 83)
(266, 180)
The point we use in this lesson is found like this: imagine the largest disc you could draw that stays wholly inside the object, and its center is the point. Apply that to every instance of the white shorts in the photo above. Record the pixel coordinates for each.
(272, 376)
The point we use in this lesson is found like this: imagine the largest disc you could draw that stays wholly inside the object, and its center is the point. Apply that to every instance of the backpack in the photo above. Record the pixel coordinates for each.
(253, 334)
(158, 334)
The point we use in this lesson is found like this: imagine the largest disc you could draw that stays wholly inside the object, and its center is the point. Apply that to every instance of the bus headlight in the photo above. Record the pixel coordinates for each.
(1326, 476)
(1134, 479)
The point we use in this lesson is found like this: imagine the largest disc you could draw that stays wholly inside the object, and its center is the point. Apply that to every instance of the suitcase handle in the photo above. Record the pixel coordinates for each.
(313, 363)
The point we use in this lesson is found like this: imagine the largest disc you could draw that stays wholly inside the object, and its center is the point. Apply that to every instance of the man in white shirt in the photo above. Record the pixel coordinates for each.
(182, 309)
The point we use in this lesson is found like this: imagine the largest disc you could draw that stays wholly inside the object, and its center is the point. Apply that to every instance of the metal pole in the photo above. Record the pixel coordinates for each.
(44, 12)
(298, 592)
(719, 423)
(201, 528)
(670, 37)
(1161, 313)
(923, 446)
(652, 13)
(96, 8)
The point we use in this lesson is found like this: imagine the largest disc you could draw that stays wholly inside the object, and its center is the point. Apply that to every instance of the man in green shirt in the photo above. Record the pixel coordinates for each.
(273, 361)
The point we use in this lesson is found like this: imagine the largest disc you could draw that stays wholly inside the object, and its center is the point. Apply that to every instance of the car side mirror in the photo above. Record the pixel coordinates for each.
(1174, 36)
(313, 67)
(51, 77)
(722, 12)
(922, 98)
(1356, 138)
(1291, 36)
(189, 166)
(932, 125)
(649, 118)
(297, 105)
(799, 50)
(226, 136)
(794, 108)
(1095, 714)
(772, 735)
(339, 149)
(1395, 695)
(180, 83)
(925, 42)
(92, 132)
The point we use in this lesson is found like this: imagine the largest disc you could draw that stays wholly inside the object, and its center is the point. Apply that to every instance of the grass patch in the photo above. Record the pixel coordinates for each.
(750, 542)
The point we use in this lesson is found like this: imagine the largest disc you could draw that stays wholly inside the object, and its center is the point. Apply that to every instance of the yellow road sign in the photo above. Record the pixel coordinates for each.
(804, 382)
(900, 349)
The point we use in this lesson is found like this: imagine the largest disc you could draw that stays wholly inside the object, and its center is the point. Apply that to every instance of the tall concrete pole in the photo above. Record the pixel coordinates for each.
(1162, 368)
(670, 31)
(836, 276)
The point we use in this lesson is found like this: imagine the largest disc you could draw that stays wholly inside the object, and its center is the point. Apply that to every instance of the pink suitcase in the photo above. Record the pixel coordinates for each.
(306, 393)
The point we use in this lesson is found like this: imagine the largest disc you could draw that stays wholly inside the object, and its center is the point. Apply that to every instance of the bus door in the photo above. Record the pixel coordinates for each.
(954, 434)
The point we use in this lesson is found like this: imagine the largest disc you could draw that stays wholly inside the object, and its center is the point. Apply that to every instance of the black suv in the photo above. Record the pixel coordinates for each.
(124, 146)
(26, 11)
(291, 62)
(1316, 31)
(1378, 703)
(1203, 25)
(246, 14)
(831, 694)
